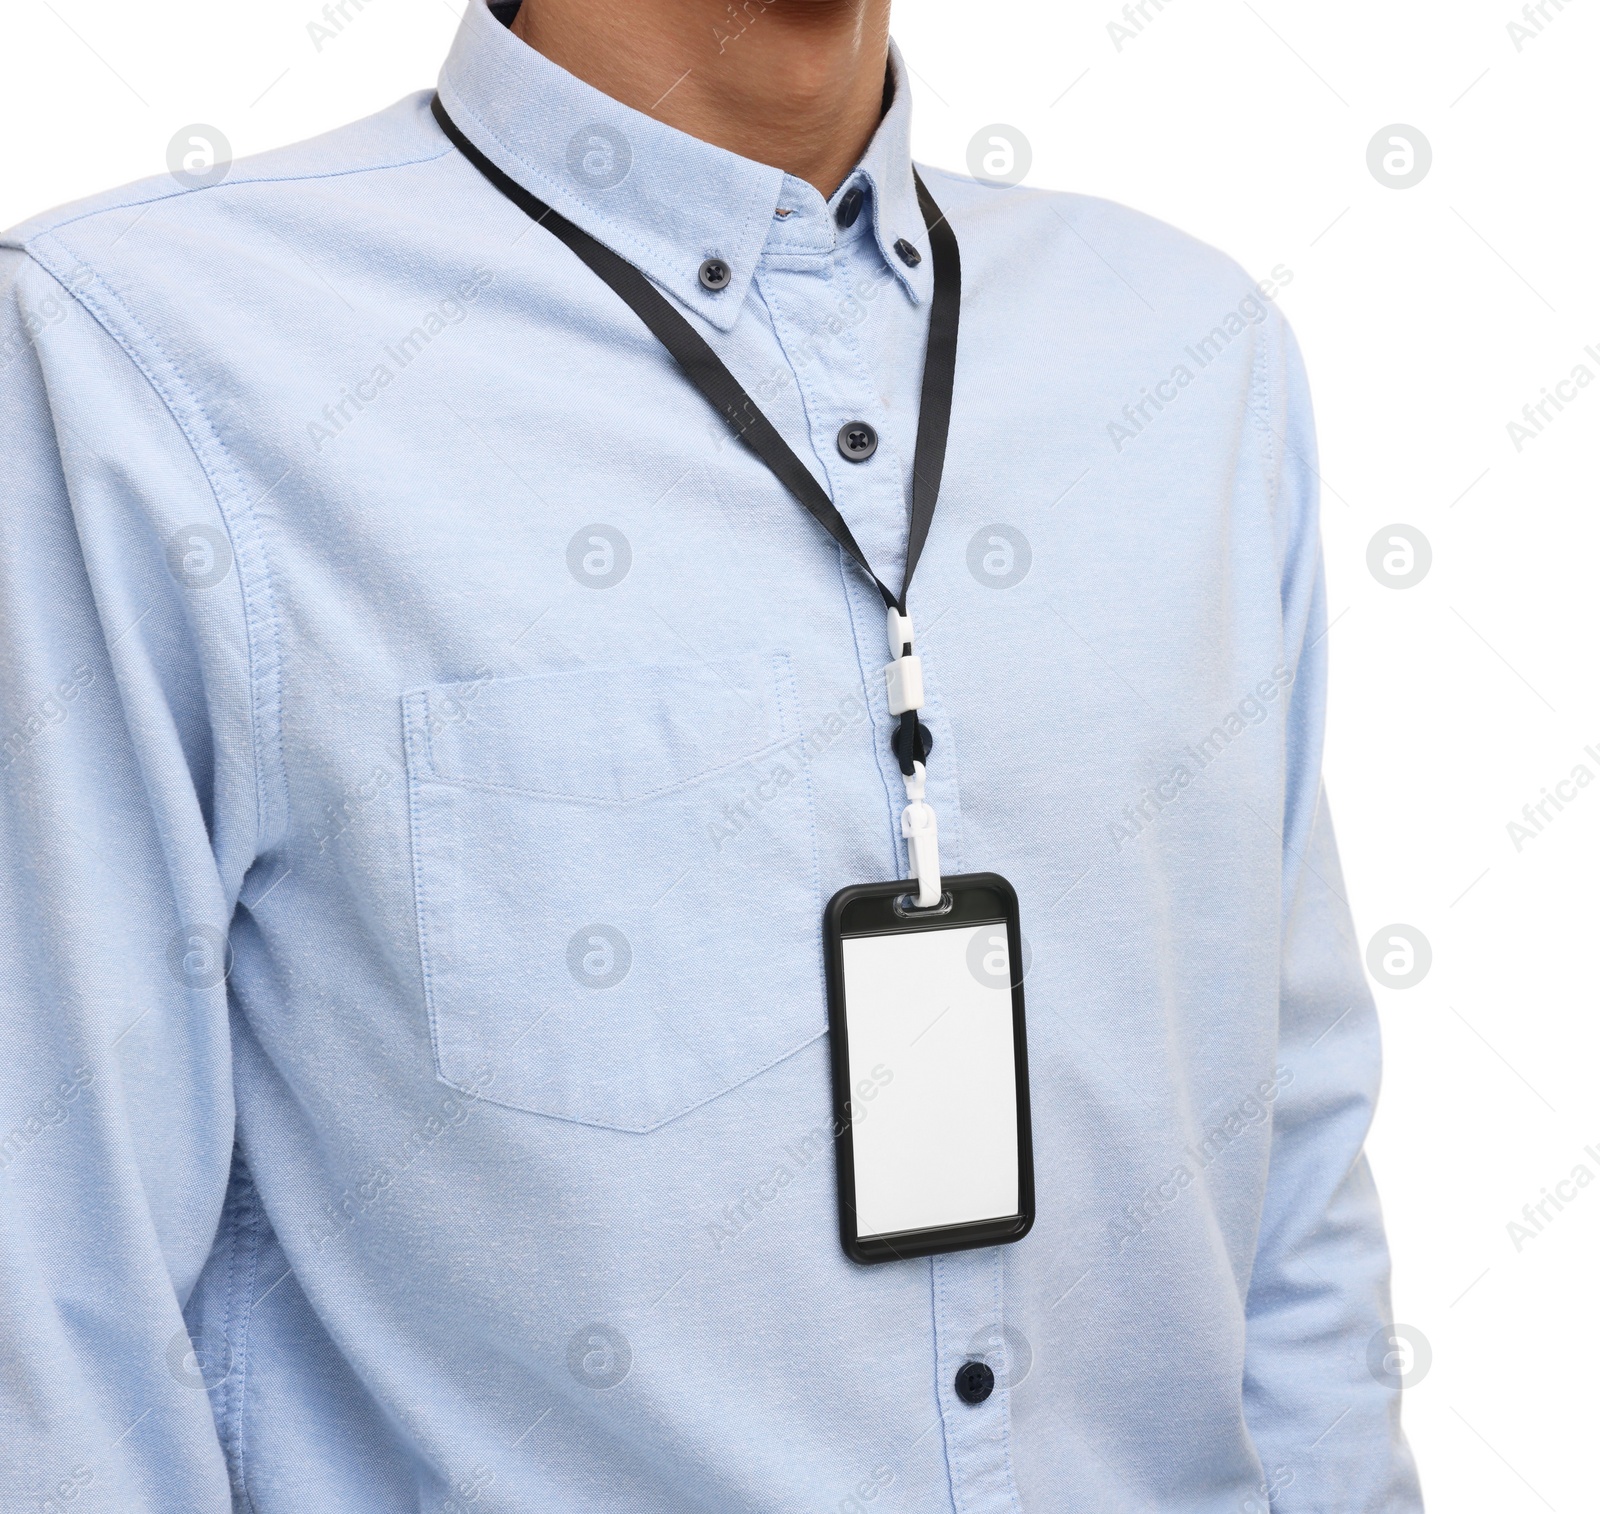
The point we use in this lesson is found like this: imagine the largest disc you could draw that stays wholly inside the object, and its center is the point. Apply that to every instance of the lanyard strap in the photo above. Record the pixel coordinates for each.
(727, 396)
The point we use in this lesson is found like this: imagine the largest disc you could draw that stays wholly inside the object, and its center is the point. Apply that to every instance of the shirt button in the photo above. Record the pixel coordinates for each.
(849, 206)
(857, 441)
(908, 254)
(715, 275)
(974, 1382)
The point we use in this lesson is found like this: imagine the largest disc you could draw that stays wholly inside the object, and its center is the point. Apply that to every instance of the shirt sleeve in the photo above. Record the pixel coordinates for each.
(1325, 1419)
(127, 817)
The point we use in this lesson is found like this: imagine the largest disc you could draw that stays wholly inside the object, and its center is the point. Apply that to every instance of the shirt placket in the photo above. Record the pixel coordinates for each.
(969, 1328)
(810, 288)
(805, 298)
(807, 289)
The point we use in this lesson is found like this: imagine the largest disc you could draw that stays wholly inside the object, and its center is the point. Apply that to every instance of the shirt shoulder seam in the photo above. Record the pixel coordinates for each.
(111, 314)
(48, 227)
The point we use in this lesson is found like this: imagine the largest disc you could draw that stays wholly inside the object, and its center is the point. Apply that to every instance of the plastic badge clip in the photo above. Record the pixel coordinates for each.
(920, 826)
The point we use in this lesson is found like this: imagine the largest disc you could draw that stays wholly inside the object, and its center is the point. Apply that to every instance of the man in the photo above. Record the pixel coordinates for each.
(432, 734)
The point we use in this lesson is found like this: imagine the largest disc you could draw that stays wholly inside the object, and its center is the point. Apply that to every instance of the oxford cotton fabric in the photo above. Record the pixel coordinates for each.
(429, 739)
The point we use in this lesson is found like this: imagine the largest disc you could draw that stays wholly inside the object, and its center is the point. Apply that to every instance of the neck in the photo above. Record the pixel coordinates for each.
(794, 83)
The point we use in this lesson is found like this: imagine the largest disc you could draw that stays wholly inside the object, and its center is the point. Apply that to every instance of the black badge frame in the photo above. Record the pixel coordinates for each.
(882, 908)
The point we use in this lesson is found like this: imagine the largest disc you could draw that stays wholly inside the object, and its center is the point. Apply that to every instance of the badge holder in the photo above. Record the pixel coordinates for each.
(930, 1068)
(928, 1034)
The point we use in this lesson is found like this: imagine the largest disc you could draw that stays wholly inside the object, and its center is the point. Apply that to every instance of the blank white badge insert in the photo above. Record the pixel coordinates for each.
(937, 1145)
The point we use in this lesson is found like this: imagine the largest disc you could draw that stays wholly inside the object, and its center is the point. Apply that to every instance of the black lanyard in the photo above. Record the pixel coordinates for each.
(710, 375)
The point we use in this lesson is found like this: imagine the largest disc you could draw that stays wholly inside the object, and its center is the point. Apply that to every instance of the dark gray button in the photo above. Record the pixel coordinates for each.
(857, 441)
(908, 254)
(849, 206)
(974, 1382)
(715, 274)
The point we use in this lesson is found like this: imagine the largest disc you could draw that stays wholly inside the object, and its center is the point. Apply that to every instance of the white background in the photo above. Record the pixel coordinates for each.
(1429, 317)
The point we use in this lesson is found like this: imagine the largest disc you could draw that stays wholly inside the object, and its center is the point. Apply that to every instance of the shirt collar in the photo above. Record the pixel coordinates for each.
(885, 176)
(664, 200)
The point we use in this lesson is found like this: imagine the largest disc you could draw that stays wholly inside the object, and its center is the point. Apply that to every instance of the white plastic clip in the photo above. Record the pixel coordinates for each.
(903, 676)
(920, 826)
(899, 632)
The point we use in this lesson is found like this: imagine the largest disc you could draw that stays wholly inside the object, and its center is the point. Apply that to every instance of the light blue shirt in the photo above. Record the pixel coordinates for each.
(429, 741)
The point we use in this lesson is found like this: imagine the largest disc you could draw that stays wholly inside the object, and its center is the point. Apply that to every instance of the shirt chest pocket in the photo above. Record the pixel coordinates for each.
(616, 885)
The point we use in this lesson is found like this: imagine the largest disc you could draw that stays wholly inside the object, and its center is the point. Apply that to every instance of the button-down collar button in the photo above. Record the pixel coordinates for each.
(974, 1382)
(715, 275)
(849, 206)
(857, 441)
(908, 254)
